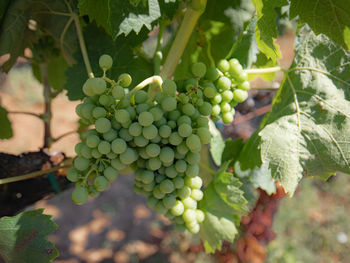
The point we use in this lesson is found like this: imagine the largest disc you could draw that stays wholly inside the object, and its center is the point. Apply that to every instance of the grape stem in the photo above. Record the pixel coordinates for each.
(154, 79)
(47, 98)
(26, 113)
(182, 36)
(264, 70)
(64, 135)
(33, 174)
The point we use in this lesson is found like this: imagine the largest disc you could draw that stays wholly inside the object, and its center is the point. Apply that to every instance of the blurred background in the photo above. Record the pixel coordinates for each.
(313, 226)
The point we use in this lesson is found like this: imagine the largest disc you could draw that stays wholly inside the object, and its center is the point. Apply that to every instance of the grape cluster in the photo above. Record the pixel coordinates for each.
(218, 89)
(159, 138)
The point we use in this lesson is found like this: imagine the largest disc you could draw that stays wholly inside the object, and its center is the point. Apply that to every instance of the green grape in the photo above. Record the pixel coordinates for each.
(154, 163)
(105, 62)
(124, 80)
(111, 155)
(223, 65)
(212, 73)
(180, 166)
(188, 109)
(170, 172)
(90, 132)
(78, 109)
(235, 68)
(117, 164)
(157, 193)
(193, 227)
(209, 90)
(157, 113)
(193, 182)
(240, 95)
(178, 208)
(191, 84)
(169, 104)
(183, 98)
(115, 124)
(92, 141)
(81, 163)
(217, 99)
(166, 186)
(118, 92)
(200, 216)
(118, 146)
(161, 209)
(153, 150)
(159, 97)
(169, 87)
(110, 135)
(147, 176)
(99, 112)
(184, 119)
(193, 143)
(80, 195)
(99, 85)
(129, 156)
(141, 96)
(174, 115)
(92, 191)
(225, 107)
(143, 153)
(228, 117)
(88, 88)
(122, 116)
(204, 135)
(199, 69)
(203, 122)
(132, 112)
(86, 110)
(157, 139)
(171, 124)
(223, 83)
(166, 155)
(162, 121)
(125, 135)
(152, 202)
(175, 139)
(244, 85)
(242, 77)
(182, 148)
(184, 130)
(126, 126)
(73, 175)
(216, 110)
(104, 147)
(205, 109)
(227, 95)
(192, 170)
(150, 132)
(164, 141)
(96, 154)
(110, 173)
(192, 157)
(196, 194)
(189, 203)
(183, 192)
(101, 183)
(189, 215)
(86, 152)
(102, 125)
(199, 103)
(140, 141)
(145, 118)
(135, 129)
(178, 182)
(159, 178)
(169, 201)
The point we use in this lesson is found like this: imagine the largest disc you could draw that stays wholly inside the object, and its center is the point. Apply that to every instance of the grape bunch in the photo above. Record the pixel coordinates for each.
(223, 88)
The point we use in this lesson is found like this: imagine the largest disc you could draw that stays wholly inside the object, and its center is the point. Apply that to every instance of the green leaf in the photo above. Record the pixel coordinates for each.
(3, 7)
(307, 130)
(23, 238)
(118, 17)
(266, 30)
(263, 62)
(223, 205)
(232, 150)
(217, 144)
(329, 17)
(5, 124)
(121, 50)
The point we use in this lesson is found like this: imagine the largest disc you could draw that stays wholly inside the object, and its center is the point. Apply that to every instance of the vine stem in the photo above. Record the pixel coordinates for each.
(26, 113)
(64, 135)
(264, 70)
(178, 46)
(47, 98)
(33, 174)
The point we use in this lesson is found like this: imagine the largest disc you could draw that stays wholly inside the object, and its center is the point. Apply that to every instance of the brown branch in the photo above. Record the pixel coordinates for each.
(47, 112)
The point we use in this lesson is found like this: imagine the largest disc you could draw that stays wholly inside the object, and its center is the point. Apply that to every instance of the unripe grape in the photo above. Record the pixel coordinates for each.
(122, 116)
(164, 131)
(157, 113)
(124, 80)
(73, 175)
(92, 141)
(169, 201)
(80, 195)
(223, 83)
(118, 92)
(225, 107)
(192, 157)
(212, 73)
(110, 173)
(188, 109)
(161, 209)
(228, 117)
(129, 156)
(110, 135)
(150, 132)
(244, 85)
(117, 164)
(103, 125)
(169, 103)
(240, 95)
(188, 202)
(180, 166)
(152, 202)
(200, 216)
(196, 194)
(193, 227)
(169, 87)
(223, 65)
(166, 186)
(183, 192)
(153, 150)
(147, 176)
(118, 146)
(189, 215)
(141, 141)
(105, 62)
(193, 182)
(166, 155)
(145, 118)
(101, 183)
(235, 68)
(192, 170)
(193, 143)
(209, 90)
(104, 147)
(199, 69)
(175, 139)
(154, 164)
(227, 95)
(205, 109)
(178, 208)
(81, 163)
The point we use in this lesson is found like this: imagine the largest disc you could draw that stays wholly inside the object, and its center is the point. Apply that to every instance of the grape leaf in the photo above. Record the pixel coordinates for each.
(121, 50)
(23, 238)
(330, 17)
(118, 17)
(217, 144)
(5, 124)
(307, 130)
(232, 150)
(223, 204)
(266, 30)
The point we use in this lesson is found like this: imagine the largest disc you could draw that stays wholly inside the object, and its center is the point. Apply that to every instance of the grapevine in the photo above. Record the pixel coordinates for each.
(160, 139)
